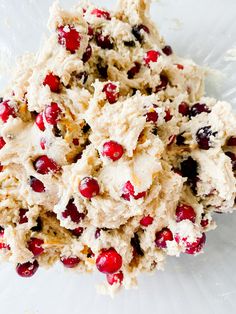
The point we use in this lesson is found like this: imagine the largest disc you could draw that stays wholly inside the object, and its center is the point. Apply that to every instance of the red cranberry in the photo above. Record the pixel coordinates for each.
(44, 165)
(78, 231)
(89, 187)
(1, 232)
(204, 222)
(180, 66)
(27, 269)
(167, 50)
(128, 191)
(2, 142)
(198, 109)
(4, 246)
(35, 246)
(97, 233)
(6, 111)
(37, 185)
(184, 211)
(196, 247)
(70, 262)
(134, 70)
(39, 122)
(163, 84)
(43, 143)
(69, 38)
(151, 56)
(22, 216)
(152, 116)
(76, 141)
(101, 14)
(72, 212)
(52, 113)
(139, 30)
(112, 150)
(168, 115)
(232, 156)
(231, 141)
(184, 108)
(115, 278)
(203, 137)
(90, 32)
(1, 167)
(87, 54)
(53, 81)
(111, 92)
(109, 261)
(103, 42)
(162, 236)
(146, 221)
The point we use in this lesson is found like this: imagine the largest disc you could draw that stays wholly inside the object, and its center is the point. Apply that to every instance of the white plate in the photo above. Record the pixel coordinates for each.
(206, 284)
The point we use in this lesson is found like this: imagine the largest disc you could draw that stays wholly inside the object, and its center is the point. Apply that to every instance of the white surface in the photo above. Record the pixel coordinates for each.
(206, 284)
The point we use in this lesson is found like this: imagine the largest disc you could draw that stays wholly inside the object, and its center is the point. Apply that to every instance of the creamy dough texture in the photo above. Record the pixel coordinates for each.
(111, 156)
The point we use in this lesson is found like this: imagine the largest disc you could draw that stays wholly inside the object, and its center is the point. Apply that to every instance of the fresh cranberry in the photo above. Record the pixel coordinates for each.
(89, 187)
(39, 122)
(22, 216)
(101, 14)
(112, 150)
(128, 191)
(195, 247)
(6, 111)
(139, 30)
(115, 278)
(70, 262)
(44, 165)
(35, 246)
(52, 113)
(53, 81)
(112, 93)
(1, 232)
(76, 141)
(204, 222)
(103, 42)
(198, 109)
(87, 54)
(109, 261)
(27, 269)
(162, 236)
(151, 56)
(78, 231)
(134, 70)
(184, 211)
(97, 233)
(168, 115)
(37, 185)
(180, 66)
(152, 116)
(72, 212)
(4, 246)
(232, 156)
(184, 108)
(90, 32)
(2, 142)
(69, 38)
(203, 137)
(1, 167)
(146, 221)
(43, 143)
(167, 50)
(163, 84)
(231, 141)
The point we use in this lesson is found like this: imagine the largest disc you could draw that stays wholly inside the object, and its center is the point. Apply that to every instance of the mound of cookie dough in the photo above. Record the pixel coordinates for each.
(111, 156)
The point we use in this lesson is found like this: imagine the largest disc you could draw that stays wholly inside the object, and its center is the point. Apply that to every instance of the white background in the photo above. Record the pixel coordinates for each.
(206, 284)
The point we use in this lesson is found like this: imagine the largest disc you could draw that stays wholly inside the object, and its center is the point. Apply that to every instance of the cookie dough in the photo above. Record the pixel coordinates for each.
(111, 156)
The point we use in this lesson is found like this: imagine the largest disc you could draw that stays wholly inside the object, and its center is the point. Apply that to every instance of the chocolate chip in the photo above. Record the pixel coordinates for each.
(86, 128)
(82, 76)
(137, 32)
(102, 70)
(39, 226)
(130, 43)
(189, 168)
(135, 242)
